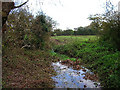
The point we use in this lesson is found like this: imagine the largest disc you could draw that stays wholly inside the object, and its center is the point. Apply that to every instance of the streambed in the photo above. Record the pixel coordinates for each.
(67, 77)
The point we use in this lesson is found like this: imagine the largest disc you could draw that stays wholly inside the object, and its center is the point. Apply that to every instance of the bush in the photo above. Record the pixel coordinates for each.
(24, 30)
(41, 28)
(111, 31)
(100, 57)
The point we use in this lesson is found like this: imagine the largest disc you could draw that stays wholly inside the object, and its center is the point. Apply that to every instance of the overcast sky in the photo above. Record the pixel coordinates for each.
(70, 13)
(73, 13)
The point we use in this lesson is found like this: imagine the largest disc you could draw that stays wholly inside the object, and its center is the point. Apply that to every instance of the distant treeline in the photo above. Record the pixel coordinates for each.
(78, 31)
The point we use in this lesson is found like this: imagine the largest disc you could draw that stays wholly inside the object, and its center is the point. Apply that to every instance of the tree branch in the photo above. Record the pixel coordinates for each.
(20, 5)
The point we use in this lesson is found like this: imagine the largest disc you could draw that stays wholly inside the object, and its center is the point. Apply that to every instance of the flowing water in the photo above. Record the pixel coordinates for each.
(68, 78)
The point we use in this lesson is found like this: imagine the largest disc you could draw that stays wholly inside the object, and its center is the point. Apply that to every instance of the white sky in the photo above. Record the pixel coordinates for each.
(73, 13)
(70, 13)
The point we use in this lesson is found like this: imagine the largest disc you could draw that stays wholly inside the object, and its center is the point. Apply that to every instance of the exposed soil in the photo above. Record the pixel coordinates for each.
(27, 69)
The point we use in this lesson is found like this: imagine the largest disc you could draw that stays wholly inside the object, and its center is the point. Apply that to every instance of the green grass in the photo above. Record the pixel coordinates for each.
(62, 56)
(75, 38)
(101, 58)
(32, 68)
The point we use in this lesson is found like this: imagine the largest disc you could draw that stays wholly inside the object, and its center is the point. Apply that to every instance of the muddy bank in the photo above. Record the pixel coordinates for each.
(27, 69)
(77, 65)
(70, 77)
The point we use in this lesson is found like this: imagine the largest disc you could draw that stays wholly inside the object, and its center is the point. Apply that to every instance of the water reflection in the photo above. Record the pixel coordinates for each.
(69, 78)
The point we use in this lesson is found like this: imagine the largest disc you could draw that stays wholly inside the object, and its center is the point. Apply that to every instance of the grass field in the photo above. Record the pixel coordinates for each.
(100, 57)
(75, 38)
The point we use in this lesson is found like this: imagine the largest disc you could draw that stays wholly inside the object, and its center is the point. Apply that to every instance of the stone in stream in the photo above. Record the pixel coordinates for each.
(77, 67)
(85, 86)
(65, 61)
(69, 78)
(81, 81)
(92, 77)
(83, 70)
(75, 64)
(68, 62)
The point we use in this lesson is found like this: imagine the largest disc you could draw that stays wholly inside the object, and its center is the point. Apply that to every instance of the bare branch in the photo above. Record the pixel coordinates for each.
(20, 5)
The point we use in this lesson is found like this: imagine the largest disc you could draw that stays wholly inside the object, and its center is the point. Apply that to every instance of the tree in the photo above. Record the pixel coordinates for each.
(57, 32)
(41, 28)
(7, 7)
(96, 23)
(108, 25)
(68, 32)
(18, 25)
(111, 26)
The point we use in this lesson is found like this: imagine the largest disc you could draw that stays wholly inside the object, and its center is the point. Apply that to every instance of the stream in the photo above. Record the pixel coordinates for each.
(69, 78)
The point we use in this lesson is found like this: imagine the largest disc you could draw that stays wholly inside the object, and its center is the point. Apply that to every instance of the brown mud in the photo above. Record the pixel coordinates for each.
(77, 65)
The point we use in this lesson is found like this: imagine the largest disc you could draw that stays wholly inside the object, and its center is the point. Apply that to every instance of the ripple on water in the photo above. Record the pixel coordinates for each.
(69, 78)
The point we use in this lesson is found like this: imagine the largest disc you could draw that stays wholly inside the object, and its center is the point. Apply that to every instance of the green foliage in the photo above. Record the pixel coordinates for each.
(101, 57)
(28, 31)
(18, 61)
(57, 32)
(108, 25)
(41, 28)
(68, 32)
(85, 31)
(61, 56)
(88, 30)
(18, 23)
(111, 30)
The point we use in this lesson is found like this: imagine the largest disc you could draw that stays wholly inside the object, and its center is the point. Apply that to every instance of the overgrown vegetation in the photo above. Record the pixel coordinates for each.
(101, 58)
(24, 29)
(26, 62)
(108, 25)
(103, 55)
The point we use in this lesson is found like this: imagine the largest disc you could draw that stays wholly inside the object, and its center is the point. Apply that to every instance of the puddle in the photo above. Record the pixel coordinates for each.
(69, 78)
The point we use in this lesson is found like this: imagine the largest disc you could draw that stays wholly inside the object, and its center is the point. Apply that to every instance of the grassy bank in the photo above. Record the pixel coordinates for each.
(27, 68)
(101, 58)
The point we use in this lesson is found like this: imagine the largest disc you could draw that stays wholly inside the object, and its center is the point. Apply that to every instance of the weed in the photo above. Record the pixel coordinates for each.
(100, 57)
